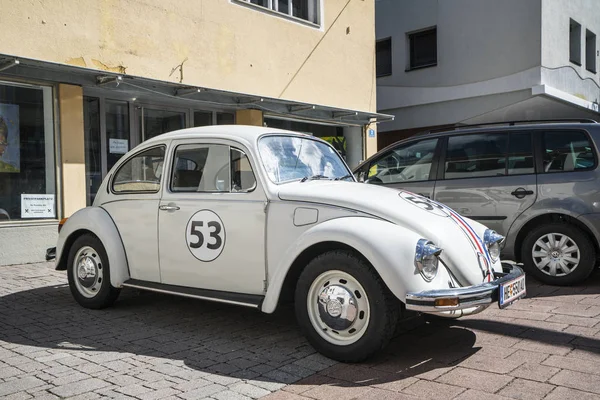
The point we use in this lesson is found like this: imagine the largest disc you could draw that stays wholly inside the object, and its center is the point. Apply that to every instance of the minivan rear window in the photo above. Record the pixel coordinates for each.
(565, 151)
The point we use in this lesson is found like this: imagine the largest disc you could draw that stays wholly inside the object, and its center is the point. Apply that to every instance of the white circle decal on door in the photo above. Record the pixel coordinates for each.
(205, 235)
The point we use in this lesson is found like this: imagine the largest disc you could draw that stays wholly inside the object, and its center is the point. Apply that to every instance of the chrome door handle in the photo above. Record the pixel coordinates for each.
(168, 207)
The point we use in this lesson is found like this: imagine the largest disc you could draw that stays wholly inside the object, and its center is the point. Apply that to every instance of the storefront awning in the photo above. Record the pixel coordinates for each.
(140, 87)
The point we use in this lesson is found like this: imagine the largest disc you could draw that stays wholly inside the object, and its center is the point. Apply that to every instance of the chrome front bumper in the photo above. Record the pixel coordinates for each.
(466, 297)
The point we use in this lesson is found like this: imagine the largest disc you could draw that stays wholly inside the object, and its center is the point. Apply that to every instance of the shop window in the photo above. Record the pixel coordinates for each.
(93, 158)
(383, 50)
(27, 163)
(423, 49)
(142, 173)
(155, 122)
(590, 51)
(307, 10)
(117, 131)
(203, 118)
(225, 118)
(575, 42)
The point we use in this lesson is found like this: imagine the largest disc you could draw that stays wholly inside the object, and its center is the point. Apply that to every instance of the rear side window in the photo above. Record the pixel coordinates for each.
(475, 156)
(141, 173)
(489, 154)
(565, 151)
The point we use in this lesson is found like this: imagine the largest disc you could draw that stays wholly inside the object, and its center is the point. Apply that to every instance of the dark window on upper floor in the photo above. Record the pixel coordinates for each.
(575, 42)
(590, 51)
(423, 48)
(383, 49)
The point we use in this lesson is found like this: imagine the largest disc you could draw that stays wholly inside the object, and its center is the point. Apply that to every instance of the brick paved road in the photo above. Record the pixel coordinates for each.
(152, 346)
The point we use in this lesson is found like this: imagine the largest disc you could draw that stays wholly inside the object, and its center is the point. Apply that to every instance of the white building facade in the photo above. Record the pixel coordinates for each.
(447, 62)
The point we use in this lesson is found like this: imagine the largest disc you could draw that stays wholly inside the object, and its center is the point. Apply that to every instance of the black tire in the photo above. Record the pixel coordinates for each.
(384, 309)
(587, 259)
(106, 294)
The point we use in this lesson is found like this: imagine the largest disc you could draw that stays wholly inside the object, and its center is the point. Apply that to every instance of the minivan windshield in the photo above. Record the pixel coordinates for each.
(288, 158)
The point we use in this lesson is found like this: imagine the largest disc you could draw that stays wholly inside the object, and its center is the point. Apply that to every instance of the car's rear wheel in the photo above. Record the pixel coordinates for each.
(344, 308)
(88, 273)
(558, 254)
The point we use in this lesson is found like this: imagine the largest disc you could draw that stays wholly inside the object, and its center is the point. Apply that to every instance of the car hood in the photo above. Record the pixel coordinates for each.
(434, 221)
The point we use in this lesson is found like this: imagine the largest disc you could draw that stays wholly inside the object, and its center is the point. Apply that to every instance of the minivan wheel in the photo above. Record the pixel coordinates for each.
(343, 307)
(558, 254)
(89, 273)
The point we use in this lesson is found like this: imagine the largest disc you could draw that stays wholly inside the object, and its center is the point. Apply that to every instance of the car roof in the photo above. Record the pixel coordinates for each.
(246, 133)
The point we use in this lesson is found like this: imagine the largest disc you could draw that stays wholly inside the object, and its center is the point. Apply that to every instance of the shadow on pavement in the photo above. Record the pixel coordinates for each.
(237, 342)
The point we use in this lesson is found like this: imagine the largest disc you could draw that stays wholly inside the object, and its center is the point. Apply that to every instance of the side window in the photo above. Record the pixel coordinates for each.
(474, 156)
(141, 173)
(242, 177)
(407, 163)
(520, 154)
(567, 151)
(211, 168)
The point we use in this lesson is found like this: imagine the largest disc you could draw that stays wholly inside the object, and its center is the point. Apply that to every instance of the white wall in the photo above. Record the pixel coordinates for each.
(557, 70)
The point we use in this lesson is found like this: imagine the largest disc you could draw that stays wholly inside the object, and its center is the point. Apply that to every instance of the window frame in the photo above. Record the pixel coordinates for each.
(541, 148)
(273, 9)
(172, 169)
(391, 65)
(410, 48)
(591, 65)
(126, 160)
(433, 171)
(444, 151)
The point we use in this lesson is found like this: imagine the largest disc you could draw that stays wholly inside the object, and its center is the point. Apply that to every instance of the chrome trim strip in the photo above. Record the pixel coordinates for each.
(191, 295)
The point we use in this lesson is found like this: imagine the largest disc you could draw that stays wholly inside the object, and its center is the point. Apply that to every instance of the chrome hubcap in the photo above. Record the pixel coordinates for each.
(338, 307)
(88, 271)
(556, 254)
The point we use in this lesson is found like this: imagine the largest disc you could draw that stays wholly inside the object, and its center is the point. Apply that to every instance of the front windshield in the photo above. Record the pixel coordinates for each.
(287, 158)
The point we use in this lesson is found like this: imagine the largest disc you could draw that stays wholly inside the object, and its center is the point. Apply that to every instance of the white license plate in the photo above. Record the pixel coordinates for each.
(511, 291)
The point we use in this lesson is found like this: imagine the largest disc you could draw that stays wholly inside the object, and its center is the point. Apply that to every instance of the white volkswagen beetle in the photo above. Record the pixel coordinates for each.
(252, 215)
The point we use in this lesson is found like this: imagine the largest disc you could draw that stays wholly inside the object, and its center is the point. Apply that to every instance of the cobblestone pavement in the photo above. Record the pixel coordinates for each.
(152, 346)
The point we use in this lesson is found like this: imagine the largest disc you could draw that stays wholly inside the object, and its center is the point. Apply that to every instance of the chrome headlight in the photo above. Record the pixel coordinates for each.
(426, 259)
(493, 241)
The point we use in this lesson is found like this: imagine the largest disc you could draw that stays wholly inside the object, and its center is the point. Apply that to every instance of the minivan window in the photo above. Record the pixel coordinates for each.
(520, 154)
(567, 151)
(474, 156)
(407, 163)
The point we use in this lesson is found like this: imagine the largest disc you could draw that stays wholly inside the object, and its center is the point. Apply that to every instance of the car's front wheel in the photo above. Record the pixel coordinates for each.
(558, 254)
(344, 308)
(89, 273)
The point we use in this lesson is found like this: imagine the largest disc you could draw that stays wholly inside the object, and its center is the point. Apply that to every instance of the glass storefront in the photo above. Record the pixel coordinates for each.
(93, 155)
(27, 162)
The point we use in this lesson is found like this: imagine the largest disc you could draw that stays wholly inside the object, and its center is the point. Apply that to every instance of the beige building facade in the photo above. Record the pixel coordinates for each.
(83, 82)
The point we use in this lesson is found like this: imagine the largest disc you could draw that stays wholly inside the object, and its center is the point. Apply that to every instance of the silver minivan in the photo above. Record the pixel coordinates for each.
(535, 183)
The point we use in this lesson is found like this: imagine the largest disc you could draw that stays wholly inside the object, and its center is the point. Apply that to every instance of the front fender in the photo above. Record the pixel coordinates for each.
(97, 221)
(390, 249)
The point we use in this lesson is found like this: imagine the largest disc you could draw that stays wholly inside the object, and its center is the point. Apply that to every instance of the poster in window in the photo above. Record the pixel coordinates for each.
(10, 155)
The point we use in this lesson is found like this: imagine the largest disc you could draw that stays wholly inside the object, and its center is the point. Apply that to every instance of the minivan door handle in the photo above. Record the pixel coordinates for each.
(521, 193)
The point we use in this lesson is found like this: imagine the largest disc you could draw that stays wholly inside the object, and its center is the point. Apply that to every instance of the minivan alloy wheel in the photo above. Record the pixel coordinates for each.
(556, 254)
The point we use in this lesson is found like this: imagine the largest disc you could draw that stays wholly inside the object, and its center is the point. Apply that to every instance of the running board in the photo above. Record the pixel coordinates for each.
(240, 299)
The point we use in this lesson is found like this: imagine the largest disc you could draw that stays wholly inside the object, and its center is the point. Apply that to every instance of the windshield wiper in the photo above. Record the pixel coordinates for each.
(344, 177)
(314, 177)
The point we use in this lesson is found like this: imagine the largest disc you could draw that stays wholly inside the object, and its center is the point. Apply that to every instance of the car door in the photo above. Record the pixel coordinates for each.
(489, 177)
(134, 209)
(409, 166)
(212, 220)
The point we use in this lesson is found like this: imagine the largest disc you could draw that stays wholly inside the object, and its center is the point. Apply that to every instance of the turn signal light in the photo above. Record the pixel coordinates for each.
(61, 223)
(451, 302)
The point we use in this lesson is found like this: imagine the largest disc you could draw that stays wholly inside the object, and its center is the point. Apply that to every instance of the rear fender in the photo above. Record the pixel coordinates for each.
(97, 221)
(388, 247)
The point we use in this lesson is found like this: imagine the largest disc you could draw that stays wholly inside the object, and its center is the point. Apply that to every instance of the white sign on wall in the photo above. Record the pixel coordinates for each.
(118, 146)
(37, 206)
